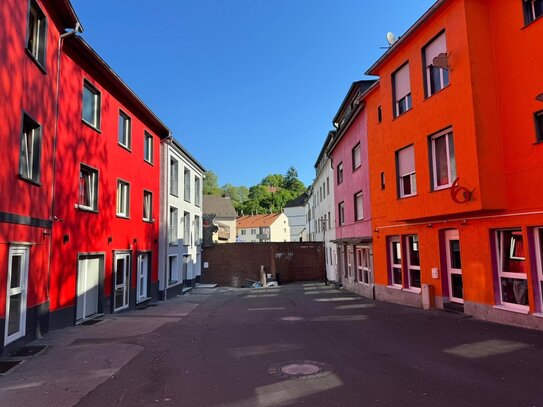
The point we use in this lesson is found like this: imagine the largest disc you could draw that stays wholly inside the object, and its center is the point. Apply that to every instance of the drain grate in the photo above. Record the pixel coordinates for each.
(300, 369)
(27, 351)
(7, 365)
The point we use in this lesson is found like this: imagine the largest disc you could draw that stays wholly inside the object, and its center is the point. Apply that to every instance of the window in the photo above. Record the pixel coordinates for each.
(355, 153)
(186, 184)
(30, 155)
(91, 105)
(329, 221)
(186, 228)
(327, 186)
(413, 261)
(147, 206)
(123, 198)
(88, 188)
(437, 77)
(382, 180)
(379, 114)
(402, 90)
(443, 161)
(539, 257)
(243, 232)
(174, 221)
(197, 235)
(532, 9)
(395, 259)
(363, 265)
(124, 136)
(174, 171)
(37, 33)
(253, 231)
(405, 161)
(539, 125)
(341, 213)
(197, 191)
(323, 190)
(512, 277)
(350, 261)
(358, 206)
(148, 147)
(173, 270)
(340, 173)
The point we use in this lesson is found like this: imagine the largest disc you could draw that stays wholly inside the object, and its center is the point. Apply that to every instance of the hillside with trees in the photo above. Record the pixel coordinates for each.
(268, 196)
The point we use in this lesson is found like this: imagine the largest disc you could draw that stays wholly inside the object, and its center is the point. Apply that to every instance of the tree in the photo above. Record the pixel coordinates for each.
(238, 195)
(211, 184)
(273, 180)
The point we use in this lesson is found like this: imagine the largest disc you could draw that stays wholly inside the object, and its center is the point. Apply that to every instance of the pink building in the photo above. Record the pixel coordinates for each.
(349, 152)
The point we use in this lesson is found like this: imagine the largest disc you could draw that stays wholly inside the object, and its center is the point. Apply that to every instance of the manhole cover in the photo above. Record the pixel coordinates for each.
(292, 319)
(300, 369)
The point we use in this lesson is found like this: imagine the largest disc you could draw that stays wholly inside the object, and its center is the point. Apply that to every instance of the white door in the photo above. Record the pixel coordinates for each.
(16, 293)
(88, 278)
(454, 266)
(143, 276)
(122, 281)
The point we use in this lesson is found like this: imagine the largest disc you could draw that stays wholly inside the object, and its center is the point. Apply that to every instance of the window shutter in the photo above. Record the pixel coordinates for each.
(406, 161)
(436, 47)
(402, 87)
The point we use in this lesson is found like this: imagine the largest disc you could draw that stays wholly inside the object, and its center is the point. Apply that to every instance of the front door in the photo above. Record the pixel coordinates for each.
(454, 266)
(88, 286)
(16, 293)
(122, 281)
(143, 276)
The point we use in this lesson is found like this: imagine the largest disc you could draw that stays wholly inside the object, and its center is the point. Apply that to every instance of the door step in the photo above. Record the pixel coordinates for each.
(453, 307)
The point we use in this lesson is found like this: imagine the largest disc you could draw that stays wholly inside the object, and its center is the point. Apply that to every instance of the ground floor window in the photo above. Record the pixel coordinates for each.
(513, 282)
(173, 270)
(395, 261)
(350, 261)
(363, 265)
(539, 255)
(413, 261)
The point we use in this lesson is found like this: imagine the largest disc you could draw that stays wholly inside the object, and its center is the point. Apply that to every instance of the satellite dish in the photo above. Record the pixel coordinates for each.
(391, 38)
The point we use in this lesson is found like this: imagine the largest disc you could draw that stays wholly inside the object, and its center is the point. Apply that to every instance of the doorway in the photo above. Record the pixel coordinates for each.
(16, 293)
(88, 285)
(122, 281)
(143, 277)
(454, 266)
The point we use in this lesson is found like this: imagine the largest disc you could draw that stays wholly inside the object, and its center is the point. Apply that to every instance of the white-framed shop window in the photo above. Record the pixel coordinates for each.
(363, 265)
(395, 261)
(413, 262)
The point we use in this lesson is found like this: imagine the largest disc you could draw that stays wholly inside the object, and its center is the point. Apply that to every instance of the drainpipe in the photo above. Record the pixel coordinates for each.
(62, 37)
(167, 142)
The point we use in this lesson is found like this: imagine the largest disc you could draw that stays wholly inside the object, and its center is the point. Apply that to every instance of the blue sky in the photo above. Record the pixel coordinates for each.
(249, 87)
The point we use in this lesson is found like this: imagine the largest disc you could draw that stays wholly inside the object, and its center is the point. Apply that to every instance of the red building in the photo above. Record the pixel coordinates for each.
(30, 35)
(107, 187)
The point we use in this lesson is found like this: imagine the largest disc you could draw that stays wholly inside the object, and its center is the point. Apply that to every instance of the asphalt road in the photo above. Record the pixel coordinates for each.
(307, 344)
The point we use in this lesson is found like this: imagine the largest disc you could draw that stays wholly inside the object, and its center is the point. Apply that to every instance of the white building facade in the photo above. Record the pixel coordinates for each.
(180, 221)
(263, 228)
(320, 210)
(296, 213)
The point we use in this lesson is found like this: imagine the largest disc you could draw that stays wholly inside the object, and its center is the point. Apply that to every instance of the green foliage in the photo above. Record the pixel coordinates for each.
(269, 196)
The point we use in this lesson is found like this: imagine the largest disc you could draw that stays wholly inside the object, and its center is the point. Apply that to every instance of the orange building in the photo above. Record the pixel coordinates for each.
(456, 162)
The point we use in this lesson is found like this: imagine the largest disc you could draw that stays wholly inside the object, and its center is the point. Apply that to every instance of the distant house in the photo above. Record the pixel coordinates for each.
(225, 217)
(263, 228)
(295, 212)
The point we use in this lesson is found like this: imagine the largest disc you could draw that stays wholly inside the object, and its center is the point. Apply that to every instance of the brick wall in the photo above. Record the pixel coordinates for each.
(230, 264)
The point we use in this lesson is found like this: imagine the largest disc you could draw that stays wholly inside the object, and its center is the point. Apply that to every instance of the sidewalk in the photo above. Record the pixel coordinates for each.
(78, 359)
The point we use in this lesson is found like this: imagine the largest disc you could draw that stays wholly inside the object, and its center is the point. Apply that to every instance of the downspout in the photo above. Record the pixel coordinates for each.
(62, 37)
(166, 185)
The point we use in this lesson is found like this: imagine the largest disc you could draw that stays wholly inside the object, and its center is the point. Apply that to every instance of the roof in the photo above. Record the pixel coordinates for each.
(373, 69)
(361, 86)
(325, 145)
(85, 53)
(221, 207)
(187, 154)
(256, 221)
(299, 201)
(64, 12)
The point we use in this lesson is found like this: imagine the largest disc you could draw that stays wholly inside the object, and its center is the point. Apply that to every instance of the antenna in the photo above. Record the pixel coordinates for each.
(391, 38)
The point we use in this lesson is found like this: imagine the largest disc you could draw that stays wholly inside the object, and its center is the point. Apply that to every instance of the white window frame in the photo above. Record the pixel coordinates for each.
(395, 242)
(340, 173)
(444, 79)
(186, 184)
(123, 198)
(538, 239)
(500, 245)
(124, 131)
(186, 228)
(363, 268)
(412, 268)
(96, 102)
(147, 213)
(412, 176)
(356, 157)
(173, 270)
(350, 262)
(197, 234)
(30, 150)
(143, 276)
(148, 147)
(197, 190)
(36, 42)
(173, 224)
(126, 280)
(451, 159)
(341, 213)
(358, 196)
(174, 176)
(91, 179)
(21, 289)
(404, 103)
